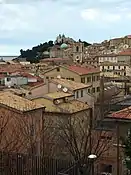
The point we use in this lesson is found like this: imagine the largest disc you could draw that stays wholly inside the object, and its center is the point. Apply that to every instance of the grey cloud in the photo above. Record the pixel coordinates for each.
(18, 1)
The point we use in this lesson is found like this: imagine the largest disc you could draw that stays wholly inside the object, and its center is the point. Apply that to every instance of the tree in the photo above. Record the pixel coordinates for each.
(127, 150)
(9, 135)
(34, 55)
(80, 139)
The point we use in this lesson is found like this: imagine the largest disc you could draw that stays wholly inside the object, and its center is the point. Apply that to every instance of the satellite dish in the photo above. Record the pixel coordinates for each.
(59, 86)
(65, 89)
(9, 86)
(58, 76)
(66, 99)
(56, 102)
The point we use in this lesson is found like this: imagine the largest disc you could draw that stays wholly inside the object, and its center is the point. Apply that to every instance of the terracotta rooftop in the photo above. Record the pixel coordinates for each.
(27, 75)
(107, 55)
(122, 114)
(128, 36)
(21, 104)
(125, 53)
(72, 85)
(83, 70)
(57, 95)
(69, 107)
(54, 59)
(2, 76)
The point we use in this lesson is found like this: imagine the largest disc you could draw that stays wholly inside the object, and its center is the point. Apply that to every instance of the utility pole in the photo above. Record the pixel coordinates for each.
(118, 148)
(90, 130)
(102, 96)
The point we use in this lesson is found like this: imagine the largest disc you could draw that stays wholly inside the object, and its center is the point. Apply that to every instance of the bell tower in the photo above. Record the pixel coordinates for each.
(78, 52)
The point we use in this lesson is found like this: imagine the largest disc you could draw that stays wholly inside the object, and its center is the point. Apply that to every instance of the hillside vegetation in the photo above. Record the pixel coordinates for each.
(36, 53)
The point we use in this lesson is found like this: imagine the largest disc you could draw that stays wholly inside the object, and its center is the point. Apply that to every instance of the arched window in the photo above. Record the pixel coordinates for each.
(77, 49)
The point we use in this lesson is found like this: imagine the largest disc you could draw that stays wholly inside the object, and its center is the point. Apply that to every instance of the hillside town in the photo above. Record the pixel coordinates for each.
(73, 105)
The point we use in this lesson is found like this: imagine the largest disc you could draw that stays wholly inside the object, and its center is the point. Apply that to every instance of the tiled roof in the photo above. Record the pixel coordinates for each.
(107, 55)
(56, 95)
(54, 59)
(27, 75)
(122, 114)
(21, 104)
(69, 84)
(2, 76)
(72, 106)
(83, 70)
(16, 91)
(128, 36)
(126, 52)
(10, 68)
(35, 84)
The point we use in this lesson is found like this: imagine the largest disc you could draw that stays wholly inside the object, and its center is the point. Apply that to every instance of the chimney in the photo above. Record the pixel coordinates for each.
(47, 84)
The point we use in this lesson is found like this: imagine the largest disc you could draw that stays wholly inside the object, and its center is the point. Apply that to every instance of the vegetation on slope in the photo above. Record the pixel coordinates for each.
(36, 53)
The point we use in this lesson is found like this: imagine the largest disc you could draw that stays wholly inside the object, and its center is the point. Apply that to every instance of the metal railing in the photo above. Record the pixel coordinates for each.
(19, 164)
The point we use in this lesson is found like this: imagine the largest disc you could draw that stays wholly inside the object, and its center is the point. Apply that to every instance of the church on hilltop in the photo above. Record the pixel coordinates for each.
(66, 47)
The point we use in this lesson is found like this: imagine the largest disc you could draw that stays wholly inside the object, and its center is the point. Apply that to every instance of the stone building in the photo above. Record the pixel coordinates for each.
(67, 48)
(86, 75)
(62, 111)
(124, 40)
(79, 90)
(62, 39)
(110, 69)
(20, 124)
(120, 123)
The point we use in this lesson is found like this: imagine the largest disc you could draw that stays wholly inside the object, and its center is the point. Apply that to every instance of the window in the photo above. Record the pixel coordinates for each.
(98, 89)
(98, 78)
(83, 80)
(58, 69)
(8, 79)
(77, 49)
(106, 168)
(93, 90)
(77, 94)
(81, 93)
(72, 79)
(108, 67)
(47, 78)
(52, 77)
(93, 78)
(88, 79)
(119, 67)
(89, 91)
(113, 67)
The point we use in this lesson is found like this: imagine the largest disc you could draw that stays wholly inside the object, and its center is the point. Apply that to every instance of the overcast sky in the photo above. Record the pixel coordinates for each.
(25, 23)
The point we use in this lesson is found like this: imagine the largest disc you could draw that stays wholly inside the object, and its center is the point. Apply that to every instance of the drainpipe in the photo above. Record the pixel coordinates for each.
(48, 85)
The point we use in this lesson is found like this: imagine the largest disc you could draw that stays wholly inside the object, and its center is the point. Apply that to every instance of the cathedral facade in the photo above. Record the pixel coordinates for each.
(67, 48)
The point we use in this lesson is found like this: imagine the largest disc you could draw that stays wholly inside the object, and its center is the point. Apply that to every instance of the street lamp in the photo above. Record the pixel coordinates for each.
(92, 157)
